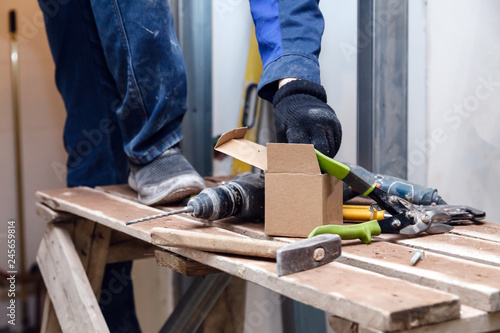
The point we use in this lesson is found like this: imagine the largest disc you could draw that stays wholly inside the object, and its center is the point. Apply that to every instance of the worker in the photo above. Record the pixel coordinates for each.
(121, 74)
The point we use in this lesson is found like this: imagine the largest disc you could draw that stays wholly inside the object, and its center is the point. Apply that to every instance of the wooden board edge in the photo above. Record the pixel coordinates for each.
(180, 264)
(310, 295)
(471, 320)
(50, 215)
(134, 249)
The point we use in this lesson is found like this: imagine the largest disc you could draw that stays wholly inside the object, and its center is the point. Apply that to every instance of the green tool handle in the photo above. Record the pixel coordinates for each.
(363, 231)
(353, 175)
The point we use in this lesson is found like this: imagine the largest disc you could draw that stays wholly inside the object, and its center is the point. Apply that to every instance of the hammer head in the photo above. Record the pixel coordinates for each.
(308, 253)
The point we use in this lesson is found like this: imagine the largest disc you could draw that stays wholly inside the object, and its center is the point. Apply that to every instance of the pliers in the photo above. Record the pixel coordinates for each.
(406, 218)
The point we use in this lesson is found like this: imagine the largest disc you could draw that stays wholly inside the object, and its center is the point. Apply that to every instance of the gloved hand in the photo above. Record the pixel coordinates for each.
(301, 115)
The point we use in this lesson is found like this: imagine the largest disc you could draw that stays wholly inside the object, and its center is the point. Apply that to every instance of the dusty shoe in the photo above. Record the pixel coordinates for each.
(168, 178)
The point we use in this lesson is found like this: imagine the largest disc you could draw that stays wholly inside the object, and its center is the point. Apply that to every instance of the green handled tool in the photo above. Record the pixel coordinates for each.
(405, 217)
(361, 181)
(363, 231)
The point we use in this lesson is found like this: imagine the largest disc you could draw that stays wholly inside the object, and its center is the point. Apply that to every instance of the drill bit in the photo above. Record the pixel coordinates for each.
(187, 209)
(243, 196)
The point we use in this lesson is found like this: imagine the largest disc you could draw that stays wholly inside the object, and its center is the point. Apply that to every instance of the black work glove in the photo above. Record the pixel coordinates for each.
(301, 115)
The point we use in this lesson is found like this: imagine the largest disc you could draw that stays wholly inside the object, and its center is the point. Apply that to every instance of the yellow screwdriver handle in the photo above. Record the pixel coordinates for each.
(361, 213)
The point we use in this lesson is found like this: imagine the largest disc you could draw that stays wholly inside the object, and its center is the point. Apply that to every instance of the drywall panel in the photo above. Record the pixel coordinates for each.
(463, 141)
(231, 28)
(417, 90)
(338, 63)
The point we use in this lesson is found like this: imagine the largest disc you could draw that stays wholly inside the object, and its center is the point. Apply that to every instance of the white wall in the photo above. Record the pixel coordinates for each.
(231, 27)
(464, 102)
(417, 88)
(338, 69)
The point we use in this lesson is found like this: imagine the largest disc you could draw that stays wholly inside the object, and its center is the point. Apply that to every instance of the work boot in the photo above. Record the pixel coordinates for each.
(168, 178)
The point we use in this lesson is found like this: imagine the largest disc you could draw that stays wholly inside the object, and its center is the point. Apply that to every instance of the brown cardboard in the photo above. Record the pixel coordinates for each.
(298, 197)
(233, 144)
(292, 158)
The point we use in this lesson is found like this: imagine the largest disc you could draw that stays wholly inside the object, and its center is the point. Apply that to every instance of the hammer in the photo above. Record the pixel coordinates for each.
(290, 258)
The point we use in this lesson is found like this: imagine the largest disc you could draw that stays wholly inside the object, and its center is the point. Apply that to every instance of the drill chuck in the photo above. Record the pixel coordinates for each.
(217, 202)
(243, 196)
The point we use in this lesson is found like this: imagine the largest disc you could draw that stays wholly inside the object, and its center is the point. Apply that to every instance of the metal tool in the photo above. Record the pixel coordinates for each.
(458, 214)
(413, 193)
(292, 258)
(417, 255)
(364, 231)
(406, 218)
(243, 197)
(440, 220)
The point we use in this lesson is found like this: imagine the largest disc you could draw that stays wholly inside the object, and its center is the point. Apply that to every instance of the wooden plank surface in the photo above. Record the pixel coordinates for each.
(373, 299)
(50, 324)
(478, 250)
(65, 278)
(478, 285)
(485, 231)
(359, 295)
(471, 321)
(489, 231)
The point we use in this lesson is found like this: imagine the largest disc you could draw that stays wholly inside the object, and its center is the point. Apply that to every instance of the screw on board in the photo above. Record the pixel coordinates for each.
(417, 255)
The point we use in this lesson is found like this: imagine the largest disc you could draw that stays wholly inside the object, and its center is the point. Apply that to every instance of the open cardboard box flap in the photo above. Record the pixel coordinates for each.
(232, 143)
(276, 158)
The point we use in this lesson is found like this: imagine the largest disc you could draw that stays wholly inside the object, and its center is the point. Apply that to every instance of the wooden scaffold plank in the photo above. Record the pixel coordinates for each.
(67, 283)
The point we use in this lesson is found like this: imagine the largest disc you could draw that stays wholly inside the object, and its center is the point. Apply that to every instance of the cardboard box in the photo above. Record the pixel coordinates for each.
(298, 197)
